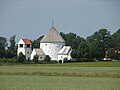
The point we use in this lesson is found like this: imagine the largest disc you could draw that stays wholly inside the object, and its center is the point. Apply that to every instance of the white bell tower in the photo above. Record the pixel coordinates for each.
(25, 46)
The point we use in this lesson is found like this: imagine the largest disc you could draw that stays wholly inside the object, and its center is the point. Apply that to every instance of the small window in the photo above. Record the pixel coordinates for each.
(21, 45)
(61, 57)
(28, 52)
(40, 57)
(46, 44)
(28, 45)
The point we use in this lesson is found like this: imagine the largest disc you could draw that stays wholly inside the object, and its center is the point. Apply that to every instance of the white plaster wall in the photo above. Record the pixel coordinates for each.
(21, 42)
(25, 50)
(33, 54)
(52, 49)
(61, 57)
(68, 56)
(21, 49)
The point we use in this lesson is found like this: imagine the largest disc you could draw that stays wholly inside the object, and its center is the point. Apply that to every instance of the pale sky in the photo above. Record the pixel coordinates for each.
(33, 18)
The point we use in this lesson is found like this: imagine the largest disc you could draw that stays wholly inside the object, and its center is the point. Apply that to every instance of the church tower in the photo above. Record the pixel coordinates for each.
(25, 46)
(52, 43)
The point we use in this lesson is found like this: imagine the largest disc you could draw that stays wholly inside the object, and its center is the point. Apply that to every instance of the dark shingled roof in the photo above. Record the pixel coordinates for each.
(52, 36)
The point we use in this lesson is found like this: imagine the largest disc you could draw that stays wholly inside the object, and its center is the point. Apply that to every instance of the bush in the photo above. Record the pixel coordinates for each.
(21, 58)
(35, 59)
(47, 58)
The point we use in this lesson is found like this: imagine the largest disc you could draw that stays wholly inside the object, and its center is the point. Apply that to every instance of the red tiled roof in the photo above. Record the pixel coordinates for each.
(27, 41)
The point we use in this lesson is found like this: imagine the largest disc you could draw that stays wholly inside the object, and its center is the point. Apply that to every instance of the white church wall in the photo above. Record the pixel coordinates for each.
(51, 49)
(21, 50)
(61, 57)
(33, 54)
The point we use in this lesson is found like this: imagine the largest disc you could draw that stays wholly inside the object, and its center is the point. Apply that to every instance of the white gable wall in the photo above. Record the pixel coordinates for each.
(52, 49)
(21, 42)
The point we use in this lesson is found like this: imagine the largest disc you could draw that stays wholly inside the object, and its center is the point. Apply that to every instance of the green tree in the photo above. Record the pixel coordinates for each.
(35, 59)
(21, 58)
(97, 50)
(116, 40)
(74, 54)
(83, 51)
(72, 39)
(111, 53)
(103, 36)
(99, 42)
(36, 43)
(3, 45)
(12, 49)
(47, 58)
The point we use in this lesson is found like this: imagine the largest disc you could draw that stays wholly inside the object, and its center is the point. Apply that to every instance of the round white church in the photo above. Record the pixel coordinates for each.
(52, 44)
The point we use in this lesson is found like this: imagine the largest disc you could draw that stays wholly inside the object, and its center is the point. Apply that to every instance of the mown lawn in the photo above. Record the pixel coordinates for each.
(67, 76)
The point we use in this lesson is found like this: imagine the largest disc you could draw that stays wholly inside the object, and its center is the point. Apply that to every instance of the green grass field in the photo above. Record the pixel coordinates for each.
(67, 76)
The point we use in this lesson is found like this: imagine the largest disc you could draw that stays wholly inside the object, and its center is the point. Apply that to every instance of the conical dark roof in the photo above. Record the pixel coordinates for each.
(52, 36)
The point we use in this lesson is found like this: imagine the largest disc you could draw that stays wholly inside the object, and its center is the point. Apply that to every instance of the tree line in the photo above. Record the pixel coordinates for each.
(95, 47)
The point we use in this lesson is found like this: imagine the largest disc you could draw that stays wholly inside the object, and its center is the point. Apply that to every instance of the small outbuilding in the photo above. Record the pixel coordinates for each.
(39, 52)
(65, 53)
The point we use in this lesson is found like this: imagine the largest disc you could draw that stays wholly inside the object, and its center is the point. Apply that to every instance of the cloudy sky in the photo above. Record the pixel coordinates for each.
(33, 18)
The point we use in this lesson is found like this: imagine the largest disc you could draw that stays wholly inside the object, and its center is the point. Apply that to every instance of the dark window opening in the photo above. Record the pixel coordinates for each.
(60, 61)
(21, 45)
(40, 57)
(28, 52)
(46, 44)
(28, 45)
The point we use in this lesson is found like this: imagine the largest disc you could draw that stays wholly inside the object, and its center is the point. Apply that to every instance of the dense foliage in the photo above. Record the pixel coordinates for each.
(47, 58)
(35, 59)
(21, 58)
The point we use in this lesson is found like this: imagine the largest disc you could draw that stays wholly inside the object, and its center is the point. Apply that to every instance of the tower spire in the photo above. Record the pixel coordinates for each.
(52, 23)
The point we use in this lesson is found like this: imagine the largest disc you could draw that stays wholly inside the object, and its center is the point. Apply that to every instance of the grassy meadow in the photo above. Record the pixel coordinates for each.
(67, 76)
